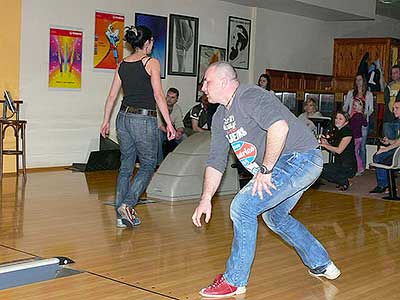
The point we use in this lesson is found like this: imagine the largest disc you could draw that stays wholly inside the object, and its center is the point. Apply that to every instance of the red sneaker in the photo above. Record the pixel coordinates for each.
(220, 288)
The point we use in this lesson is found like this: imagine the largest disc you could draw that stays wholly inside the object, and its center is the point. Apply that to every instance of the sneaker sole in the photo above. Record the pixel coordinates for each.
(239, 291)
(127, 223)
(330, 277)
(125, 217)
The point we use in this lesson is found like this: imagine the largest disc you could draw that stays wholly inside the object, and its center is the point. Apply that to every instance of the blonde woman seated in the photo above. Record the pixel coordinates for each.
(310, 111)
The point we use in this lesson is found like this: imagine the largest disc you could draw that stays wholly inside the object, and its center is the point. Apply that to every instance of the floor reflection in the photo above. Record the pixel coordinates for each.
(12, 191)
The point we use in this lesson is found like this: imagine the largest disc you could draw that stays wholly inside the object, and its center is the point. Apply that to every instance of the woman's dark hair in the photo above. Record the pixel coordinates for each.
(268, 78)
(364, 86)
(136, 36)
(344, 114)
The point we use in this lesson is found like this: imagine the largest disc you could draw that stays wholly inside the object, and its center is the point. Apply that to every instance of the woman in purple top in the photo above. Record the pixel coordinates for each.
(357, 121)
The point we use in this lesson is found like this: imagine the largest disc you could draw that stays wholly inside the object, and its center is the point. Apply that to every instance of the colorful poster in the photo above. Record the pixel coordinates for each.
(65, 61)
(108, 40)
(158, 26)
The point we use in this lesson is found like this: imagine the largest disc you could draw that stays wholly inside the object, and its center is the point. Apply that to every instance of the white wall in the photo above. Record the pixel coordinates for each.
(63, 125)
(289, 42)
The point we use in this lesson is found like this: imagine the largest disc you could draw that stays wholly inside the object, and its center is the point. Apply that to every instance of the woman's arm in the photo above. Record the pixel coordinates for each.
(393, 145)
(112, 96)
(342, 145)
(347, 101)
(364, 121)
(154, 71)
(153, 68)
(369, 107)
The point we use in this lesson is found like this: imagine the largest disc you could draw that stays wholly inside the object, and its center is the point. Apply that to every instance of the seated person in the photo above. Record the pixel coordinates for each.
(196, 118)
(385, 154)
(211, 109)
(310, 111)
(264, 81)
(176, 116)
(341, 144)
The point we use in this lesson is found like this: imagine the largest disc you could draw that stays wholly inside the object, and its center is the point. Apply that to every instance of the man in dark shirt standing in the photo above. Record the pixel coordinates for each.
(281, 153)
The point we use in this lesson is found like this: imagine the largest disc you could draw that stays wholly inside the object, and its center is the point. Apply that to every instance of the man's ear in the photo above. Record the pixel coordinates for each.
(224, 82)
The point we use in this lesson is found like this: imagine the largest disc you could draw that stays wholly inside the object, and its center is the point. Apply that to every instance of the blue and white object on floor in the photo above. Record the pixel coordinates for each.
(28, 271)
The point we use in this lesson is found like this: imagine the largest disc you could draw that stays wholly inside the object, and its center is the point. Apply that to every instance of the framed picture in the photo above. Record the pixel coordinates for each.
(289, 100)
(239, 31)
(158, 26)
(279, 95)
(207, 56)
(108, 37)
(327, 104)
(183, 44)
(65, 58)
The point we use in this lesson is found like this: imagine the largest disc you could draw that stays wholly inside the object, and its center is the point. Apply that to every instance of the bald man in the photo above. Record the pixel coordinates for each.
(282, 155)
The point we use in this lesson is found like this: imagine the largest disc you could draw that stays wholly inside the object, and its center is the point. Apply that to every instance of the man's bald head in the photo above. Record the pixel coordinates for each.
(220, 82)
(223, 70)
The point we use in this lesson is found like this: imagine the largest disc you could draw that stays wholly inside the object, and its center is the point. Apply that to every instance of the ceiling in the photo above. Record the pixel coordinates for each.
(391, 9)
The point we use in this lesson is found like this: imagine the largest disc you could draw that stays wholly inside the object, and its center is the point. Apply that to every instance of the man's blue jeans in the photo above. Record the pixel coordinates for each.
(292, 175)
(137, 137)
(384, 158)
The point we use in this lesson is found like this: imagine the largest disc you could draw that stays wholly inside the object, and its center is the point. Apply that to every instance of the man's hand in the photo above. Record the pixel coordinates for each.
(204, 207)
(262, 182)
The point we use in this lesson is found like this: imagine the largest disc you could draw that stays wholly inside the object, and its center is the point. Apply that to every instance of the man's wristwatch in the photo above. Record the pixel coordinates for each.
(264, 170)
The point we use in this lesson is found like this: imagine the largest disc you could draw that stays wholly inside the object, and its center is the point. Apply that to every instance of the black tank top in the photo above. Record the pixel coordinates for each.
(136, 85)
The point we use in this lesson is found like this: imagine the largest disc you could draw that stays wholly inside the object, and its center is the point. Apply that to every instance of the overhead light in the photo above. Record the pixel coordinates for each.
(386, 1)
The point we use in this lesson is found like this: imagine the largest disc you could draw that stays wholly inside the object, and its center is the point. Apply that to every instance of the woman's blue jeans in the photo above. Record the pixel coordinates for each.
(138, 138)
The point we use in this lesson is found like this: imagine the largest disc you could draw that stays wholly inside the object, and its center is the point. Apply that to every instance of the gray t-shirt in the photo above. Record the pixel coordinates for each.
(244, 126)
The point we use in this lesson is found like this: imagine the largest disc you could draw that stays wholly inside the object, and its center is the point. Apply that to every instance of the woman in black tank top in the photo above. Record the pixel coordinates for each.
(139, 77)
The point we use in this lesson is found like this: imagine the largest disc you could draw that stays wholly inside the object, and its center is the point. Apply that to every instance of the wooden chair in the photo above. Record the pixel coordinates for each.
(19, 128)
(395, 166)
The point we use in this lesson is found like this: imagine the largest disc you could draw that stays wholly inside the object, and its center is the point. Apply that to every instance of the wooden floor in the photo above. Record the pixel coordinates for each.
(61, 213)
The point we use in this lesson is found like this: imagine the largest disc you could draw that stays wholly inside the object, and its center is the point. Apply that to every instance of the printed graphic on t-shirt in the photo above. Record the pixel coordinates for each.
(245, 152)
(233, 134)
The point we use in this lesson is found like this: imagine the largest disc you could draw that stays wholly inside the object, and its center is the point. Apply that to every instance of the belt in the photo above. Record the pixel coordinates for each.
(139, 111)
